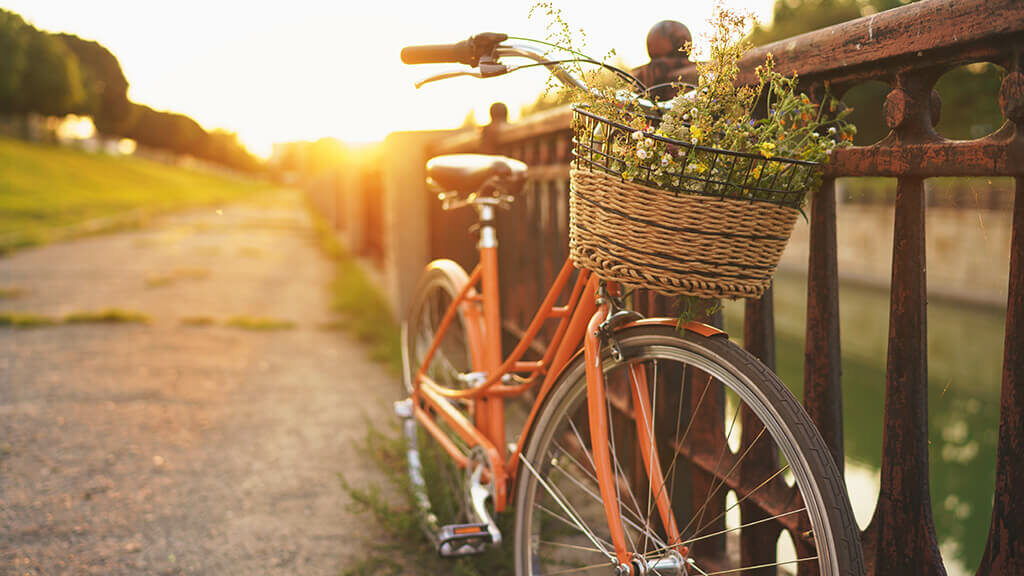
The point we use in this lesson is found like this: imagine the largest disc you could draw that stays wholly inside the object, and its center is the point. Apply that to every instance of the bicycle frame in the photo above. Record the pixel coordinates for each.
(578, 322)
(484, 336)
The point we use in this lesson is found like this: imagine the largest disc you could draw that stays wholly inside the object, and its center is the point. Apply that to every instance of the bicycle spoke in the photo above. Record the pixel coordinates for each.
(573, 531)
(769, 565)
(615, 462)
(565, 506)
(721, 481)
(621, 470)
(745, 496)
(634, 524)
(568, 522)
(718, 465)
(569, 546)
(580, 569)
(646, 419)
(727, 530)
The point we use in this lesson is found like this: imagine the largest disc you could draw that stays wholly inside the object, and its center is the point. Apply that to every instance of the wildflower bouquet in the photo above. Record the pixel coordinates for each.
(700, 200)
(680, 151)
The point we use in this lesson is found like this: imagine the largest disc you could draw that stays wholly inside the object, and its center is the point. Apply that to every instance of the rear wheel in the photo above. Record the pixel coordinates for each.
(439, 484)
(751, 485)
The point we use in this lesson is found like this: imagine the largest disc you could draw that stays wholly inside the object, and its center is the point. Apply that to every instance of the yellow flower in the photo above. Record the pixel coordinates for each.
(767, 149)
(696, 133)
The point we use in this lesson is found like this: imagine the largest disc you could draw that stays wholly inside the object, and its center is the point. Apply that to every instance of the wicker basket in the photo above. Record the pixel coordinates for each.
(686, 232)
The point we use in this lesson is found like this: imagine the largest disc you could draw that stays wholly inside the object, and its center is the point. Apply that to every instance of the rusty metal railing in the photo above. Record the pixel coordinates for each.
(908, 48)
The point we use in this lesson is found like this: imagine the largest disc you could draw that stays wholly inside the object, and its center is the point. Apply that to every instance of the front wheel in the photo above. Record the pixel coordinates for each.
(751, 486)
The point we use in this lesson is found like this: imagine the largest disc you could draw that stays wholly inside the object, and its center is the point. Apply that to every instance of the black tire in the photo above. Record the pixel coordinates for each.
(441, 484)
(438, 287)
(541, 537)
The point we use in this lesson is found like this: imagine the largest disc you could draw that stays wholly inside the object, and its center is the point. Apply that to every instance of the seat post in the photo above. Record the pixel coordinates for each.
(490, 413)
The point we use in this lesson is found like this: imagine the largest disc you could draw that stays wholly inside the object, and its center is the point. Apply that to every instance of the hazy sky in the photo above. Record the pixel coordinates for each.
(277, 71)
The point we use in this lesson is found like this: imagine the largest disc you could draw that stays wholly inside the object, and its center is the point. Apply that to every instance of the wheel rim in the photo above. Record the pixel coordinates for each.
(560, 503)
(453, 356)
(444, 481)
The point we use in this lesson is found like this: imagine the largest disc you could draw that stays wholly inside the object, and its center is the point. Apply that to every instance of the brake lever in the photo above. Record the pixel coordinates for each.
(452, 74)
(484, 70)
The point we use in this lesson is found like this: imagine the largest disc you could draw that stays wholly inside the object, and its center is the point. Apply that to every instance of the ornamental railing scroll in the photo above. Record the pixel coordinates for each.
(908, 48)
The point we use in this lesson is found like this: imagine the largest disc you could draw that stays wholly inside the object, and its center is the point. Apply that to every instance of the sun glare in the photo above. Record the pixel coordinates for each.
(304, 70)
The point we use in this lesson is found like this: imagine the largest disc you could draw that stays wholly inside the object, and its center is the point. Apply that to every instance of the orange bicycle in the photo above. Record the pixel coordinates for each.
(620, 467)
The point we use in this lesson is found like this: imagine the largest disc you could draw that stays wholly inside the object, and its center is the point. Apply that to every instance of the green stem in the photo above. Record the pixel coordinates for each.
(563, 48)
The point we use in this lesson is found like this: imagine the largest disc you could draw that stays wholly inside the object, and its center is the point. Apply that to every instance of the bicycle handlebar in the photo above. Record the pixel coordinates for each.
(482, 52)
(461, 52)
(468, 52)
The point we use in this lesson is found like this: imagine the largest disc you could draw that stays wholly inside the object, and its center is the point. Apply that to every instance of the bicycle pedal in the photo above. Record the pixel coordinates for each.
(404, 409)
(456, 540)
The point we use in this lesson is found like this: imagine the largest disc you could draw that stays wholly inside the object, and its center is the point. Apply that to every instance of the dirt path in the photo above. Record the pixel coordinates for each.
(172, 448)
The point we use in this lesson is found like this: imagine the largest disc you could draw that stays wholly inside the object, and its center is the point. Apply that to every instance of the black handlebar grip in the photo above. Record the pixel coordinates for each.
(461, 53)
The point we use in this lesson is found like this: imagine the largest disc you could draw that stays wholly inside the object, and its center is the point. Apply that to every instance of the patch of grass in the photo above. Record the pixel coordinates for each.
(108, 316)
(250, 252)
(333, 325)
(51, 193)
(10, 292)
(158, 280)
(23, 320)
(363, 310)
(198, 321)
(400, 521)
(259, 323)
(379, 562)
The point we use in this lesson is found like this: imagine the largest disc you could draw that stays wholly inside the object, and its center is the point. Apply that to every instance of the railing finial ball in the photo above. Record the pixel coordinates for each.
(499, 113)
(667, 38)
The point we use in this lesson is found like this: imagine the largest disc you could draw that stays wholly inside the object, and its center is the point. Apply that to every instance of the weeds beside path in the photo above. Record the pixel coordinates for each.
(184, 445)
(49, 193)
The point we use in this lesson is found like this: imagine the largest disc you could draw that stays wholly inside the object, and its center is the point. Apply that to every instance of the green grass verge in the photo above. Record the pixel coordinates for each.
(401, 524)
(50, 193)
(22, 320)
(259, 323)
(198, 321)
(362, 310)
(168, 278)
(9, 292)
(108, 316)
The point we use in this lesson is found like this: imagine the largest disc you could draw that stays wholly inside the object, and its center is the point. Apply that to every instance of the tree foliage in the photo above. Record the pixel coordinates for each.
(60, 74)
(969, 106)
(51, 83)
(106, 88)
(13, 59)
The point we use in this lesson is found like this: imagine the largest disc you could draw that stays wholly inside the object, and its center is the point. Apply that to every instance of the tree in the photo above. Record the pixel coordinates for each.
(792, 17)
(968, 108)
(106, 88)
(175, 132)
(13, 58)
(51, 83)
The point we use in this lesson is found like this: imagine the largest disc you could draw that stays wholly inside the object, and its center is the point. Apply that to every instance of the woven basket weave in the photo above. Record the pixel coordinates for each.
(712, 224)
(674, 243)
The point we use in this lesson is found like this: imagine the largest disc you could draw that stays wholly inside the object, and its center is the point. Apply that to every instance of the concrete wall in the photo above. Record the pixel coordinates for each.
(967, 249)
(406, 205)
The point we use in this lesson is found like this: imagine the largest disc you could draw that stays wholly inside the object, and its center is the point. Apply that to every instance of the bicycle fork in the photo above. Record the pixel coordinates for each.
(600, 332)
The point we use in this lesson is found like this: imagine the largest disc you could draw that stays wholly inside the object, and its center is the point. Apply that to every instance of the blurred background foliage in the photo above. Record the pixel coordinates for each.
(59, 74)
(969, 94)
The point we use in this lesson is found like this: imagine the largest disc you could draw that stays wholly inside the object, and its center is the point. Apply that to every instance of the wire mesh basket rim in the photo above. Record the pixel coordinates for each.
(580, 109)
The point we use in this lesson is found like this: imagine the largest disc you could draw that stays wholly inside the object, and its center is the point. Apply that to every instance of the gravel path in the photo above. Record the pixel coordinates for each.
(170, 448)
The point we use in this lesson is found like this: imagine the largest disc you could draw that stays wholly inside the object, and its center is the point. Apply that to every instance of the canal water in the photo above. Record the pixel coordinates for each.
(965, 346)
